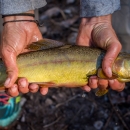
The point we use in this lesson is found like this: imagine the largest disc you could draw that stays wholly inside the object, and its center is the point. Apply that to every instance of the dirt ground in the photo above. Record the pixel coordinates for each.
(71, 108)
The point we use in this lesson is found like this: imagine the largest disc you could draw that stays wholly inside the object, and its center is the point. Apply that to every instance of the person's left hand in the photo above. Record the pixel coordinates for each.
(98, 32)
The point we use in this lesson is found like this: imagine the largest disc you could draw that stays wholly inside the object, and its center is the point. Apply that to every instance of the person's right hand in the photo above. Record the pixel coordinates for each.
(16, 36)
(98, 32)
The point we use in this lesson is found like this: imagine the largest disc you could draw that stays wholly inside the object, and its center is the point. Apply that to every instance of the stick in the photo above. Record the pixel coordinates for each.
(117, 113)
(108, 120)
(48, 125)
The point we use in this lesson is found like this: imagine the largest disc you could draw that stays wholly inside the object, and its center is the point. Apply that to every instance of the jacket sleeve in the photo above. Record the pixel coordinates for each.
(19, 6)
(91, 8)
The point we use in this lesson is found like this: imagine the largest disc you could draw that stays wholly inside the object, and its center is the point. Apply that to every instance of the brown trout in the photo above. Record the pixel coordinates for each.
(55, 66)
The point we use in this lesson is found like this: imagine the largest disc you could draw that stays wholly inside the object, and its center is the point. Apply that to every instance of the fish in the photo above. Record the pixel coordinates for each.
(52, 63)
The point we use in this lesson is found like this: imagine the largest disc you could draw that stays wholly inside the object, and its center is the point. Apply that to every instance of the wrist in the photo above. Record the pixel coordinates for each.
(10, 18)
(96, 20)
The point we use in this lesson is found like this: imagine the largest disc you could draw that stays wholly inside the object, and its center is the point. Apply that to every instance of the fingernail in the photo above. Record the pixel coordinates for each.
(7, 82)
(88, 89)
(111, 81)
(23, 83)
(109, 72)
(44, 92)
(93, 80)
(14, 88)
(34, 86)
(94, 77)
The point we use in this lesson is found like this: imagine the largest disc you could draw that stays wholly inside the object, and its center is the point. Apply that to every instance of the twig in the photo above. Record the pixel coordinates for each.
(60, 104)
(73, 29)
(63, 14)
(108, 120)
(117, 113)
(52, 123)
(127, 114)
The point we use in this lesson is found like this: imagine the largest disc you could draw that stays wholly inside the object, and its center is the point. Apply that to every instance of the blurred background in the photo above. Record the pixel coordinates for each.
(73, 108)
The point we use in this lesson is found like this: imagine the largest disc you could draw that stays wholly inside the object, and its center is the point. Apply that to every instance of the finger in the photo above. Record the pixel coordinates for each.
(105, 37)
(36, 36)
(44, 91)
(112, 51)
(84, 34)
(93, 80)
(9, 58)
(23, 85)
(86, 88)
(13, 91)
(116, 85)
(33, 88)
(102, 83)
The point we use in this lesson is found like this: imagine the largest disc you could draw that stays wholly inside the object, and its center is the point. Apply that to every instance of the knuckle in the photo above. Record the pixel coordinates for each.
(8, 50)
(103, 83)
(92, 85)
(117, 86)
(12, 72)
(108, 60)
(120, 46)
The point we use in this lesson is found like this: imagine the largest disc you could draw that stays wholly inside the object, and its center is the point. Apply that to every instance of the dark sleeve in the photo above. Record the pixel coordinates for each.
(19, 6)
(90, 8)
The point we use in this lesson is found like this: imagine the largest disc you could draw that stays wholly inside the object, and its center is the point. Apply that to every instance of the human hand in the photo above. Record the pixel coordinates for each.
(16, 36)
(98, 32)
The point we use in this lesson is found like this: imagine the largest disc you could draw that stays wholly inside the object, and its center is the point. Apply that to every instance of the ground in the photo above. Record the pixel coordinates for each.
(71, 108)
(74, 109)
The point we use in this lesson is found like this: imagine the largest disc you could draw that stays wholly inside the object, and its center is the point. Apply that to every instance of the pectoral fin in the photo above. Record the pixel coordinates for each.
(44, 44)
(101, 92)
(101, 75)
(65, 47)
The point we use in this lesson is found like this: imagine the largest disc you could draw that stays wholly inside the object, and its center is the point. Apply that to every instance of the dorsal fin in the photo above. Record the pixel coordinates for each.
(65, 46)
(44, 44)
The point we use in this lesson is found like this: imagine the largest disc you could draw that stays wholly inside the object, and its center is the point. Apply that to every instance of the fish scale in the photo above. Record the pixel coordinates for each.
(65, 65)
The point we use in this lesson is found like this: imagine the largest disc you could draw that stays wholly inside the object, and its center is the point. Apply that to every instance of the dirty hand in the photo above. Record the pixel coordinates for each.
(98, 32)
(16, 36)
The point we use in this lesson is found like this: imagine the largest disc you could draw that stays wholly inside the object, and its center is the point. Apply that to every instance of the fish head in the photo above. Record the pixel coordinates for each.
(121, 67)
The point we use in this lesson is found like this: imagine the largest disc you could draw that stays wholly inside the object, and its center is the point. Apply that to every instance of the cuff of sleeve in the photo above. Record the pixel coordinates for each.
(20, 6)
(91, 8)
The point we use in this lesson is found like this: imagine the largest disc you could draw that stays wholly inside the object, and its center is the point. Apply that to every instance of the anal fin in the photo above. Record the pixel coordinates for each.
(46, 84)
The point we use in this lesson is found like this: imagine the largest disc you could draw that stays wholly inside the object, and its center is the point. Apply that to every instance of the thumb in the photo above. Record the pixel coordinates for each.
(105, 37)
(9, 58)
(36, 36)
(113, 50)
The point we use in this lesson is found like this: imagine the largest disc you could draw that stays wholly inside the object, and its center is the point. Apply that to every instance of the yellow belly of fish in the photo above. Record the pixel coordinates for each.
(63, 73)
